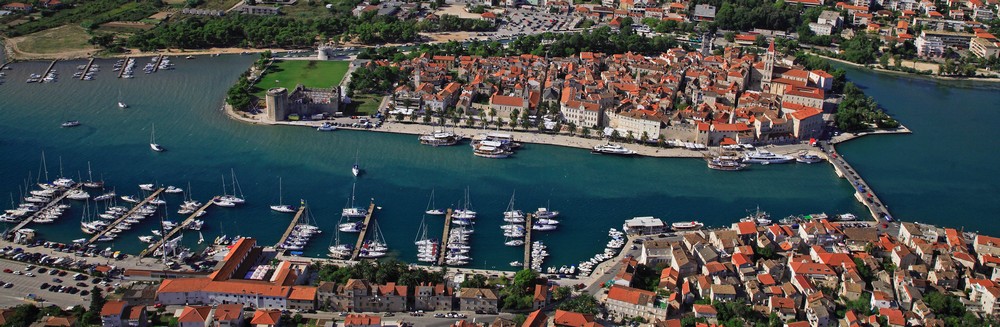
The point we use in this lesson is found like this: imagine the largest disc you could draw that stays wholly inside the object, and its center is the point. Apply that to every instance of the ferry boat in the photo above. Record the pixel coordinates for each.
(490, 149)
(687, 225)
(612, 149)
(71, 123)
(808, 158)
(439, 138)
(846, 217)
(725, 163)
(765, 157)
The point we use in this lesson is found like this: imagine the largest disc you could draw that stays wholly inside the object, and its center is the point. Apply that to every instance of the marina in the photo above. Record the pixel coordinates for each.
(444, 237)
(86, 70)
(291, 226)
(364, 231)
(55, 201)
(119, 220)
(527, 241)
(166, 238)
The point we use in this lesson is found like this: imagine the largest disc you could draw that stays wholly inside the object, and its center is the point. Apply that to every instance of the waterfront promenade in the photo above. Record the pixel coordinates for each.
(868, 198)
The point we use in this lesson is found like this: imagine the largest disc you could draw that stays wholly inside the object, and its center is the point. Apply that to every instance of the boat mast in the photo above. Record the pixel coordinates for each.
(281, 200)
(90, 174)
(60, 167)
(224, 185)
(44, 167)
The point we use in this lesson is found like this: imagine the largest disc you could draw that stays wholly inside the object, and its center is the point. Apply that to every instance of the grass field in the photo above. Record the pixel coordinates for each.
(363, 104)
(57, 40)
(317, 74)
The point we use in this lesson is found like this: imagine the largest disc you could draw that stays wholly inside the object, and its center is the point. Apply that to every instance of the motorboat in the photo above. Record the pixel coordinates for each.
(173, 189)
(70, 123)
(765, 157)
(490, 149)
(514, 243)
(847, 217)
(439, 138)
(326, 127)
(687, 225)
(542, 227)
(725, 163)
(146, 187)
(808, 158)
(612, 149)
(223, 203)
(146, 239)
(545, 213)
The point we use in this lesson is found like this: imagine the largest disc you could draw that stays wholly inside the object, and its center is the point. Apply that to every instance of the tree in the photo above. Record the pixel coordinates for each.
(630, 137)
(102, 40)
(615, 135)
(661, 141)
(562, 292)
(97, 301)
(572, 128)
(476, 281)
(584, 303)
(24, 315)
(644, 138)
(586, 132)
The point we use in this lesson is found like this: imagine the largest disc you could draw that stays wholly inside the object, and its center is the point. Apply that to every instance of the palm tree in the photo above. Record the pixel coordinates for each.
(630, 137)
(572, 128)
(661, 141)
(514, 114)
(493, 113)
(586, 132)
(615, 135)
(399, 117)
(644, 137)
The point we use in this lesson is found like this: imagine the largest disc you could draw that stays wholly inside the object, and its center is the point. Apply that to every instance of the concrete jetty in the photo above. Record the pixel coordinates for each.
(52, 203)
(443, 249)
(87, 69)
(527, 241)
(49, 70)
(862, 191)
(152, 248)
(124, 64)
(291, 226)
(126, 215)
(364, 231)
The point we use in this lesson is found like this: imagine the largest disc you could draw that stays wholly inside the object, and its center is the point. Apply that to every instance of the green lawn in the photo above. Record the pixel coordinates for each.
(363, 104)
(316, 74)
(56, 40)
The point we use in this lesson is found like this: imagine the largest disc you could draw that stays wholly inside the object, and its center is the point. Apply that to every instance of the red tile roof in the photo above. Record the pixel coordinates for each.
(631, 295)
(362, 320)
(197, 314)
(113, 308)
(535, 319)
(266, 317)
(573, 319)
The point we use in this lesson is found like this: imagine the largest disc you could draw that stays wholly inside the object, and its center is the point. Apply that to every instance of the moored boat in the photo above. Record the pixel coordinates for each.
(612, 149)
(686, 225)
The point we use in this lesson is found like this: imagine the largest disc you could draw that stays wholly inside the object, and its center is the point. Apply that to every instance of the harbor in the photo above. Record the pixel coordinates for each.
(364, 231)
(183, 225)
(103, 232)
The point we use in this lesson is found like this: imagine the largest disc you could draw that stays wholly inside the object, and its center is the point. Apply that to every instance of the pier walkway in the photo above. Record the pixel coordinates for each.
(364, 231)
(49, 70)
(124, 64)
(291, 226)
(867, 197)
(159, 59)
(527, 241)
(125, 216)
(152, 247)
(54, 201)
(443, 249)
(4, 65)
(87, 69)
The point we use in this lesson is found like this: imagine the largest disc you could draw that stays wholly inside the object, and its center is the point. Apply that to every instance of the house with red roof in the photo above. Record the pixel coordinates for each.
(541, 297)
(626, 302)
(354, 320)
(573, 319)
(195, 316)
(536, 319)
(266, 318)
(228, 315)
(113, 314)
(17, 6)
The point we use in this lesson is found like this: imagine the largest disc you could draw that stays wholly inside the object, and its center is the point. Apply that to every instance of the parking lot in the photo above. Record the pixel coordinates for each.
(29, 281)
(524, 22)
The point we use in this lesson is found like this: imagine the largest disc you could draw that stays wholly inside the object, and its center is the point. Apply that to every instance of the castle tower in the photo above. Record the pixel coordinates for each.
(768, 64)
(277, 104)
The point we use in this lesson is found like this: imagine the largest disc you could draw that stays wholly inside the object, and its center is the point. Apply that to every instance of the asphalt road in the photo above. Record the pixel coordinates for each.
(24, 285)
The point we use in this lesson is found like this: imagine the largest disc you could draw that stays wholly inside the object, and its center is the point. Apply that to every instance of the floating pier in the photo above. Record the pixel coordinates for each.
(876, 208)
(54, 201)
(125, 216)
(527, 241)
(364, 231)
(124, 64)
(152, 248)
(4, 65)
(87, 69)
(291, 226)
(49, 70)
(443, 249)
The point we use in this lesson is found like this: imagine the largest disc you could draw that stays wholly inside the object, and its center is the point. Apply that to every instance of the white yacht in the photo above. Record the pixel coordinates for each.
(808, 158)
(352, 211)
(765, 157)
(152, 141)
(281, 206)
(612, 149)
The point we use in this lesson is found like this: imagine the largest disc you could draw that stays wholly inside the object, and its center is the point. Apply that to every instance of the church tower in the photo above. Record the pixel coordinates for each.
(768, 64)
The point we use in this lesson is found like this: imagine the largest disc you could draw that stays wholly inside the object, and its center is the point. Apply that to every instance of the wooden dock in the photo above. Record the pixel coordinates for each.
(4, 65)
(291, 226)
(124, 64)
(364, 231)
(876, 208)
(527, 241)
(52, 203)
(152, 247)
(87, 69)
(443, 249)
(126, 215)
(159, 59)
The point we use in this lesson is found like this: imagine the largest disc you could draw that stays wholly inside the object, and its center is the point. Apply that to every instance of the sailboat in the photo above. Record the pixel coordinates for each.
(201, 238)
(352, 211)
(121, 104)
(427, 249)
(281, 206)
(152, 141)
(224, 200)
(91, 183)
(337, 250)
(375, 248)
(465, 212)
(431, 209)
(356, 169)
(512, 215)
(236, 190)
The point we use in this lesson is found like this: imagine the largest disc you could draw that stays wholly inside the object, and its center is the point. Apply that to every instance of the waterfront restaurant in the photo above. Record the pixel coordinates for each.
(644, 226)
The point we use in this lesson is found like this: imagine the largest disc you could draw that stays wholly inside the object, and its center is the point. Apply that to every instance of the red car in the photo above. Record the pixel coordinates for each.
(8, 270)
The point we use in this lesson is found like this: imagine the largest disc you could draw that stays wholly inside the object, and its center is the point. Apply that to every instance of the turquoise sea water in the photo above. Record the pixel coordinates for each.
(946, 172)
(594, 193)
